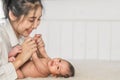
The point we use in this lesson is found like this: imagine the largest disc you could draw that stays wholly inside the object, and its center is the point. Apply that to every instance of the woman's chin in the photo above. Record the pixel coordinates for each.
(26, 34)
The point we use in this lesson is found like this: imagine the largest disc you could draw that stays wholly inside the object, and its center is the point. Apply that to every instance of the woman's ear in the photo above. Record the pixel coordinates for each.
(12, 16)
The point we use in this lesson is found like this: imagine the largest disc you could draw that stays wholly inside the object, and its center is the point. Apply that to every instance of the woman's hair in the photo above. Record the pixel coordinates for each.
(20, 7)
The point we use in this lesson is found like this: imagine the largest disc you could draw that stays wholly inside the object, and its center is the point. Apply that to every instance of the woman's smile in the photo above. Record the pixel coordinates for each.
(29, 31)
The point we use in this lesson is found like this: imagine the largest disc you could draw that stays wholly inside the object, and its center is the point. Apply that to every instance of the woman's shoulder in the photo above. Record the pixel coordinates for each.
(2, 30)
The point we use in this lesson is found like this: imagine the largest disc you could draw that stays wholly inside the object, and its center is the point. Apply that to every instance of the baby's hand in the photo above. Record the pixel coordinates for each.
(36, 37)
(11, 59)
(39, 40)
(17, 49)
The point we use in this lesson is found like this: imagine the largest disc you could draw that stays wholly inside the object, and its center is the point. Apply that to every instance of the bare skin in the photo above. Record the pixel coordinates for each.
(16, 50)
(37, 67)
(30, 69)
(40, 65)
(43, 67)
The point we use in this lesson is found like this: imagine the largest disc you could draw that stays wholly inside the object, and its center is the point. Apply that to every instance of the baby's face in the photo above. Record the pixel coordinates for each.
(58, 66)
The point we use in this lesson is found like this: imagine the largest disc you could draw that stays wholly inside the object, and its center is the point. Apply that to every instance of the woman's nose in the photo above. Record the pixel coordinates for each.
(35, 25)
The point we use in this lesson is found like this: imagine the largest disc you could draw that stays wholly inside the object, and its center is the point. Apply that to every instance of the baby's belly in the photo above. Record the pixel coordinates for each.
(29, 70)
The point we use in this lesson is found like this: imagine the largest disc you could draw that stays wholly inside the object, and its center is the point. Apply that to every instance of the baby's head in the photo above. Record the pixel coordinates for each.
(61, 68)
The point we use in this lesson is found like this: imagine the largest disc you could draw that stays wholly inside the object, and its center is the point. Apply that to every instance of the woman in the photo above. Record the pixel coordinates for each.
(22, 16)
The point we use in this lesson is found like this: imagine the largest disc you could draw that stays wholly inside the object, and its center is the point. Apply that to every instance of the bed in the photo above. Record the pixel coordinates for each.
(91, 70)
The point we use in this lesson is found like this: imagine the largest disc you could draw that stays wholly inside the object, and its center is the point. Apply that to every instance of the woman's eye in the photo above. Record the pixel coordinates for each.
(31, 20)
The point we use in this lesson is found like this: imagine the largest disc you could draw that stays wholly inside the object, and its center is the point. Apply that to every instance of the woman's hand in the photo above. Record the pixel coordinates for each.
(28, 48)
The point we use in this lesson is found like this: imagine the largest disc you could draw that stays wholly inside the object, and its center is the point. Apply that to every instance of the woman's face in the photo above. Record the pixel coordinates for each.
(26, 24)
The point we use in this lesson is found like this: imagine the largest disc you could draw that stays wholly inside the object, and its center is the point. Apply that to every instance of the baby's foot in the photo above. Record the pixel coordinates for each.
(11, 59)
(17, 49)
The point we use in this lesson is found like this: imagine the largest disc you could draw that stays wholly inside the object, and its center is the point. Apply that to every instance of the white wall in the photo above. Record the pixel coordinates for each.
(1, 11)
(81, 29)
(82, 9)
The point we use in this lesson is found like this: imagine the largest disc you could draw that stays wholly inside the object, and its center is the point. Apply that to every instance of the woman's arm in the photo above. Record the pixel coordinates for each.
(28, 48)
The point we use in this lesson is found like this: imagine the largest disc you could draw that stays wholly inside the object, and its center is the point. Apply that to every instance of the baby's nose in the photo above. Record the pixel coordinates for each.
(56, 63)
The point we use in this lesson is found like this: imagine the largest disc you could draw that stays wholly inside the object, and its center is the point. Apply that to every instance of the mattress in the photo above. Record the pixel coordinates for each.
(90, 70)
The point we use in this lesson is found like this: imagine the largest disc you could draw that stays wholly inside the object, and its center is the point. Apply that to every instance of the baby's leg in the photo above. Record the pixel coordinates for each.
(20, 74)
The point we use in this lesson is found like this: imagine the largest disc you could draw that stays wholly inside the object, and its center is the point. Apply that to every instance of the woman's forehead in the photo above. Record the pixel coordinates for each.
(37, 12)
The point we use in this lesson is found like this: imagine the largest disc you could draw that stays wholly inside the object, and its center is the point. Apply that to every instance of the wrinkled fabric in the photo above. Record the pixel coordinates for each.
(8, 39)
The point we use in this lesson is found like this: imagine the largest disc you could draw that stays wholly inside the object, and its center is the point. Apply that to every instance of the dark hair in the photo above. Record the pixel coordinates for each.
(71, 71)
(19, 7)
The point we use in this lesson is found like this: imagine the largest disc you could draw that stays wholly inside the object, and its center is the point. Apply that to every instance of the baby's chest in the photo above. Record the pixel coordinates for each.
(43, 71)
(38, 73)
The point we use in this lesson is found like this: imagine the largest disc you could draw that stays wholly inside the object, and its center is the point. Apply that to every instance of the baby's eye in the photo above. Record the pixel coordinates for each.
(58, 68)
(39, 19)
(59, 60)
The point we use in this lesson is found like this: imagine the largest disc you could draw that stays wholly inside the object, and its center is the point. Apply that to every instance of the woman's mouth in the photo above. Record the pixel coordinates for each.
(29, 31)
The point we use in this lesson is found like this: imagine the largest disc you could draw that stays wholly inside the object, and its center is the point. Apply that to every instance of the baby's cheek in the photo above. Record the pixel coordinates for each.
(53, 69)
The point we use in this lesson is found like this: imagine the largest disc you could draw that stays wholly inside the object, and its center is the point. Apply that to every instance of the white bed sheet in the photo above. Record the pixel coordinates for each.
(91, 70)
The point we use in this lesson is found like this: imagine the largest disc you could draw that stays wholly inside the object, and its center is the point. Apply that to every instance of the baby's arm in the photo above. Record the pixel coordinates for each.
(43, 52)
(41, 48)
(37, 61)
(13, 52)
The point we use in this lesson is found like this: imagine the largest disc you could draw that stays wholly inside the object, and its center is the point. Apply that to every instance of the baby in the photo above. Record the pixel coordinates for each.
(42, 66)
